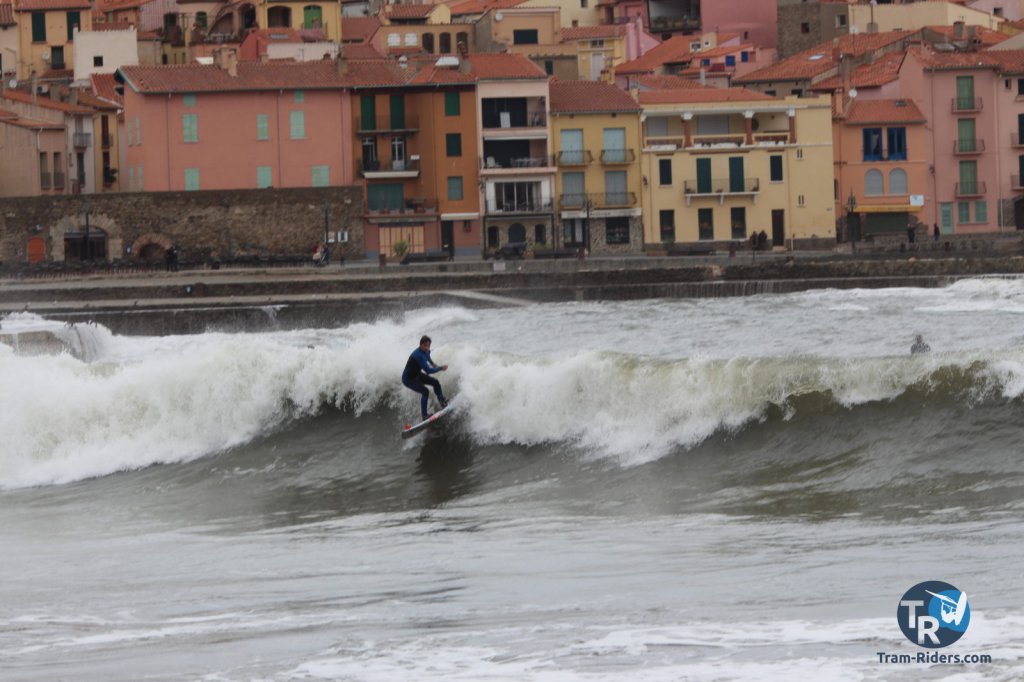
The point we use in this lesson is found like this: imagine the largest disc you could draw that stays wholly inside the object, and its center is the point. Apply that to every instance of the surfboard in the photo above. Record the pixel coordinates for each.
(411, 430)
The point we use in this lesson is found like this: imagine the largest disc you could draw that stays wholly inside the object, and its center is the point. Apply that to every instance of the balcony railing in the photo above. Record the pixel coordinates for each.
(82, 140)
(597, 200)
(1015, 140)
(524, 206)
(722, 186)
(970, 189)
(674, 23)
(572, 200)
(371, 167)
(716, 140)
(613, 156)
(534, 119)
(574, 157)
(409, 206)
(518, 162)
(677, 142)
(968, 146)
(387, 124)
(108, 140)
(966, 104)
(44, 180)
(58, 181)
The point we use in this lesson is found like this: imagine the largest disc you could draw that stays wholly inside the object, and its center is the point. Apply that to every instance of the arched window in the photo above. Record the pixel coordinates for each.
(516, 233)
(279, 17)
(492, 237)
(445, 40)
(898, 181)
(201, 19)
(428, 42)
(874, 183)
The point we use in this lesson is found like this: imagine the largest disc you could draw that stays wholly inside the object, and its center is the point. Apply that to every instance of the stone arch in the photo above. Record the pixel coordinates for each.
(151, 246)
(75, 222)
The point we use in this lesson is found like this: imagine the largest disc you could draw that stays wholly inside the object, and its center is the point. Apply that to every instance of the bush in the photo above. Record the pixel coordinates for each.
(400, 248)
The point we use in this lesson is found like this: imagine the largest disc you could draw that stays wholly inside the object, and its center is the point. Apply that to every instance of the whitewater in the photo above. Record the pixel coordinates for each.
(706, 489)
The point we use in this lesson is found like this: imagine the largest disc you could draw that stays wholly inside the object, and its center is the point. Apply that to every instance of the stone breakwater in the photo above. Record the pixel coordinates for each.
(197, 300)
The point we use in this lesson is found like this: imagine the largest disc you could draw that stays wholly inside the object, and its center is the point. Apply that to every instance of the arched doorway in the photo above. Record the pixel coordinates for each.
(279, 17)
(36, 250)
(85, 244)
(516, 233)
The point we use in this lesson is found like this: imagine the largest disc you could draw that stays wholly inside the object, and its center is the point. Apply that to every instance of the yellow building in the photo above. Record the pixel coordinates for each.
(596, 131)
(46, 34)
(721, 164)
(599, 49)
(302, 14)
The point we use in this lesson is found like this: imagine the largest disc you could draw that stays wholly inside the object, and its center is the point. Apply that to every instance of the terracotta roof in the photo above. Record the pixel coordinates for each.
(88, 99)
(1005, 61)
(722, 51)
(818, 59)
(105, 87)
(885, 69)
(593, 32)
(6, 14)
(702, 95)
(589, 97)
(45, 102)
(361, 51)
(11, 118)
(47, 5)
(987, 36)
(252, 76)
(504, 66)
(408, 11)
(675, 49)
(667, 83)
(358, 29)
(481, 6)
(432, 75)
(114, 5)
(276, 35)
(864, 111)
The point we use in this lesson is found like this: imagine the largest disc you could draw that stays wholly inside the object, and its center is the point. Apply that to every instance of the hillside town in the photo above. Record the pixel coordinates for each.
(507, 128)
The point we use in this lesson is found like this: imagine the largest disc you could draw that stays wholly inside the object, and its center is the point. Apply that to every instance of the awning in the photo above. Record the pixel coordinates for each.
(887, 208)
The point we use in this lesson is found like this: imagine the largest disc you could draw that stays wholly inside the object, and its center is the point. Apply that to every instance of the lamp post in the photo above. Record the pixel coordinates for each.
(327, 223)
(851, 206)
(589, 207)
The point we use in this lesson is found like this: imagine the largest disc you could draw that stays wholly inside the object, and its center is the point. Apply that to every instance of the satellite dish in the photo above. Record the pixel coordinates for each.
(13, 84)
(853, 92)
(498, 16)
(46, 56)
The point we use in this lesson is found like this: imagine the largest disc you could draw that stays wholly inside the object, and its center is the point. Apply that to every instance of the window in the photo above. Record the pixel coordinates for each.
(97, 60)
(524, 36)
(616, 230)
(730, 60)
(298, 125)
(201, 19)
(980, 211)
(455, 189)
(667, 223)
(262, 127)
(321, 176)
(128, 131)
(840, 20)
(138, 130)
(872, 139)
(38, 27)
(968, 177)
(705, 223)
(540, 235)
(189, 100)
(74, 19)
(800, 201)
(191, 179)
(445, 40)
(898, 181)
(664, 172)
(897, 139)
(190, 127)
(738, 220)
(1020, 87)
(139, 176)
(615, 192)
(131, 179)
(744, 56)
(805, 27)
(428, 43)
(369, 152)
(874, 183)
(452, 106)
(264, 177)
(367, 113)
(573, 190)
(775, 168)
(583, 4)
(300, 96)
(398, 152)
(965, 93)
(549, 67)
(453, 144)
(963, 211)
(614, 145)
(410, 40)
(517, 233)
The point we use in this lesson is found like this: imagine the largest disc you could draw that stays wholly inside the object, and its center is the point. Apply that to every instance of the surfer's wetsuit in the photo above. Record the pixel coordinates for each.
(416, 377)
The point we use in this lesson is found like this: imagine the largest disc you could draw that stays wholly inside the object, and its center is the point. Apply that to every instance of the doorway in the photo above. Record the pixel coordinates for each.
(778, 227)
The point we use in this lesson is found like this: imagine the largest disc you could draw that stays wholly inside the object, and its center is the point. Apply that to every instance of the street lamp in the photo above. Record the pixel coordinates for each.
(851, 206)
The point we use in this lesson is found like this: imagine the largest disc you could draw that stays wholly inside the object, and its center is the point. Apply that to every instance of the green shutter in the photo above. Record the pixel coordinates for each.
(189, 100)
(703, 176)
(455, 188)
(321, 176)
(140, 179)
(131, 178)
(964, 92)
(262, 127)
(367, 113)
(298, 125)
(38, 27)
(191, 179)
(397, 112)
(73, 19)
(963, 212)
(453, 144)
(452, 104)
(264, 177)
(965, 134)
(981, 211)
(775, 163)
(969, 176)
(387, 196)
(736, 183)
(300, 96)
(190, 127)
(138, 130)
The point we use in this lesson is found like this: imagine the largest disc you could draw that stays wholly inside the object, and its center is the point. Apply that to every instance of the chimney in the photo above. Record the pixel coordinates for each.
(463, 49)
(703, 78)
(958, 30)
(73, 96)
(341, 63)
(837, 52)
(226, 58)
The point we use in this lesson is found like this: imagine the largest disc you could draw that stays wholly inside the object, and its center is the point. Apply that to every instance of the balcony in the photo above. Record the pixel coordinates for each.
(665, 143)
(574, 158)
(45, 180)
(617, 156)
(737, 140)
(675, 24)
(1015, 140)
(964, 104)
(107, 140)
(721, 188)
(518, 163)
(408, 123)
(970, 189)
(968, 146)
(58, 181)
(504, 206)
(410, 208)
(505, 121)
(371, 169)
(82, 140)
(600, 200)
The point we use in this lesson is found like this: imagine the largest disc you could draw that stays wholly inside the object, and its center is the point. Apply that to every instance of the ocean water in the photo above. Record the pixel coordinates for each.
(649, 490)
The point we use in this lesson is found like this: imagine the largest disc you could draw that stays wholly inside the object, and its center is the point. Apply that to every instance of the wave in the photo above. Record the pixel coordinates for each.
(143, 401)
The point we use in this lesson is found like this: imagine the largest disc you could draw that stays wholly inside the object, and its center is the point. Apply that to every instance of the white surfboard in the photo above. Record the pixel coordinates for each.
(434, 419)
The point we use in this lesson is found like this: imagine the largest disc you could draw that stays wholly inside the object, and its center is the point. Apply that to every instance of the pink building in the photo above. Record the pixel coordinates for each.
(237, 125)
(754, 20)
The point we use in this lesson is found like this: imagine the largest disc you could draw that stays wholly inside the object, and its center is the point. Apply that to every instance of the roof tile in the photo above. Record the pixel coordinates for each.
(702, 95)
(589, 97)
(864, 111)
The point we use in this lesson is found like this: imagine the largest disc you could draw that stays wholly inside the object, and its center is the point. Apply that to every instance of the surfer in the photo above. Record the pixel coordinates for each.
(919, 346)
(417, 376)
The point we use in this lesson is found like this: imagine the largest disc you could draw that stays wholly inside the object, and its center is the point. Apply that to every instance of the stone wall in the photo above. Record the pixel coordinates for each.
(204, 226)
